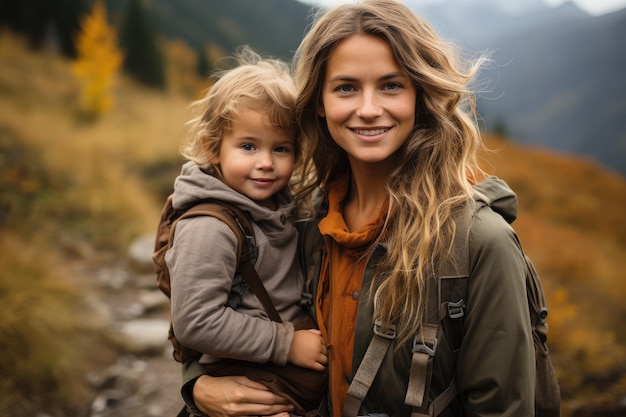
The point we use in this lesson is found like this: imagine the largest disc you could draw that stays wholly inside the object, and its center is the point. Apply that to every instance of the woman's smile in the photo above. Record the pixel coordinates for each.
(371, 134)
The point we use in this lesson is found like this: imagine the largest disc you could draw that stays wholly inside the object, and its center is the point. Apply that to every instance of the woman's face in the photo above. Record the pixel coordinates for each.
(368, 100)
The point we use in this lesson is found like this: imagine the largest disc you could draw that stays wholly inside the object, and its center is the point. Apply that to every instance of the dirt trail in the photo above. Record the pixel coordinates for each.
(140, 379)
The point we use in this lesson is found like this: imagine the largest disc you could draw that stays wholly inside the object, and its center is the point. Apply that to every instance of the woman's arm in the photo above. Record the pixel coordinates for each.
(236, 396)
(228, 396)
(496, 362)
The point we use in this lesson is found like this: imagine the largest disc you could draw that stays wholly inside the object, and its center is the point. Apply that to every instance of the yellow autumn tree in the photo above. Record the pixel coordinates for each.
(98, 61)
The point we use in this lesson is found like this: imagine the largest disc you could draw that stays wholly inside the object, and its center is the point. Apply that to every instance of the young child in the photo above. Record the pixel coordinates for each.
(242, 149)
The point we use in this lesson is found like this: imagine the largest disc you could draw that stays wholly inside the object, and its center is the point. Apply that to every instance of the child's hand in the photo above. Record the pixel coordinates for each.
(308, 349)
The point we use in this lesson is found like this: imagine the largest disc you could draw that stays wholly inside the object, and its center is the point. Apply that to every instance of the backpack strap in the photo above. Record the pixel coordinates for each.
(447, 284)
(254, 282)
(368, 368)
(240, 224)
(234, 218)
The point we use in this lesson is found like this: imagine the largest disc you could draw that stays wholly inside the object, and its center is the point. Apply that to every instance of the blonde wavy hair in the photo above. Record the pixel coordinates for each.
(430, 181)
(254, 83)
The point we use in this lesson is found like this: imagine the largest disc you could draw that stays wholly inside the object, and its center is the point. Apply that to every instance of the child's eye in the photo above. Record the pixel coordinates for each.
(247, 147)
(283, 149)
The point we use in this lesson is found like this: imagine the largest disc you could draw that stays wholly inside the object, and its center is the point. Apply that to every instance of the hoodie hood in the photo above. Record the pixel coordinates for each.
(496, 194)
(194, 185)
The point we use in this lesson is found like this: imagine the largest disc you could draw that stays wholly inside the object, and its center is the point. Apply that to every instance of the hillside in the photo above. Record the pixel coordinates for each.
(272, 27)
(557, 78)
(78, 192)
(570, 219)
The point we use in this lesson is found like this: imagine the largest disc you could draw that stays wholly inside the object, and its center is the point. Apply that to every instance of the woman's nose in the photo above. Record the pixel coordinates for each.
(369, 105)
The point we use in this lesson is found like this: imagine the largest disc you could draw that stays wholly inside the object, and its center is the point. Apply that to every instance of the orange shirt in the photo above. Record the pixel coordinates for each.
(339, 287)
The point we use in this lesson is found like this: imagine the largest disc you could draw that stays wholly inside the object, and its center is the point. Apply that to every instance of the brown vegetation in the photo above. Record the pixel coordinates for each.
(85, 188)
(571, 224)
(71, 190)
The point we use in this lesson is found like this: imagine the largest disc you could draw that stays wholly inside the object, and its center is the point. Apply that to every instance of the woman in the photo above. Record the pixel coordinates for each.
(387, 116)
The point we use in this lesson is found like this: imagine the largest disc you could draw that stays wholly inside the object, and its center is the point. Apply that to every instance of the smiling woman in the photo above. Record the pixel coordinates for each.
(369, 113)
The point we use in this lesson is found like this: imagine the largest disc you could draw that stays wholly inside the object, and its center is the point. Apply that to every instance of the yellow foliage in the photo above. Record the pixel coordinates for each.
(180, 70)
(70, 191)
(96, 168)
(98, 62)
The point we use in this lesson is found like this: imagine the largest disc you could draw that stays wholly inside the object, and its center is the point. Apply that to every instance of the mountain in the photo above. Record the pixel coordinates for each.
(478, 24)
(563, 86)
(558, 76)
(272, 27)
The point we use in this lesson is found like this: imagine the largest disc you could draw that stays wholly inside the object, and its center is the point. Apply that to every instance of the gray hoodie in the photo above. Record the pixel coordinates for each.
(202, 264)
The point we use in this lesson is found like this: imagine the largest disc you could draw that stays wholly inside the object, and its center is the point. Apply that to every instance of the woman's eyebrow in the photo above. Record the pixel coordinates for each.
(342, 78)
(389, 76)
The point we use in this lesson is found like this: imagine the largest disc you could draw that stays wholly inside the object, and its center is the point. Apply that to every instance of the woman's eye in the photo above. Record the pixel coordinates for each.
(345, 88)
(392, 86)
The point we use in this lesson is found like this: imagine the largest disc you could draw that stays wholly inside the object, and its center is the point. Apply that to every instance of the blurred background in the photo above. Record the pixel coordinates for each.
(94, 96)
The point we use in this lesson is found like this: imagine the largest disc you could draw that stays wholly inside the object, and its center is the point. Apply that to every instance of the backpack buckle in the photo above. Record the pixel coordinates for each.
(421, 347)
(456, 310)
(389, 333)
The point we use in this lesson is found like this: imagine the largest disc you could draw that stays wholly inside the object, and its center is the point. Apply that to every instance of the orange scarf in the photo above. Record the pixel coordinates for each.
(339, 286)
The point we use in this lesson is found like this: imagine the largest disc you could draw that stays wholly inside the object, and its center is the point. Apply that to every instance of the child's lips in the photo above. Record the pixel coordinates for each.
(263, 182)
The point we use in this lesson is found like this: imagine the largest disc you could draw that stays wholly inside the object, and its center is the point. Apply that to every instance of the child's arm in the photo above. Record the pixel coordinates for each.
(202, 265)
(308, 349)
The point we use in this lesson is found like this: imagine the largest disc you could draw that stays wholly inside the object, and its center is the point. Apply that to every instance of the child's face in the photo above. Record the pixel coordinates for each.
(256, 159)
(368, 100)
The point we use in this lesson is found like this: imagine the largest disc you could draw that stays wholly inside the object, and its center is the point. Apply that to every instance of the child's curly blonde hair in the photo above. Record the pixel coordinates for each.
(255, 83)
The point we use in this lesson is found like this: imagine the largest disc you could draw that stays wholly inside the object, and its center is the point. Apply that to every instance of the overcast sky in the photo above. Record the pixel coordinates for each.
(595, 7)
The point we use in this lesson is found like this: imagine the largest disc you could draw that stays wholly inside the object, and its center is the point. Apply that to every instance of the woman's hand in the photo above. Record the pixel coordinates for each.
(237, 396)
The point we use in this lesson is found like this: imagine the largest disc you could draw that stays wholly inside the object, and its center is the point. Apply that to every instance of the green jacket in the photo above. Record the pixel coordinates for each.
(495, 365)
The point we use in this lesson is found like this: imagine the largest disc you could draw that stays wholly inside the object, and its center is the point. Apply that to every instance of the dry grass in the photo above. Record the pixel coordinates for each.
(100, 163)
(70, 187)
(101, 183)
(44, 329)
